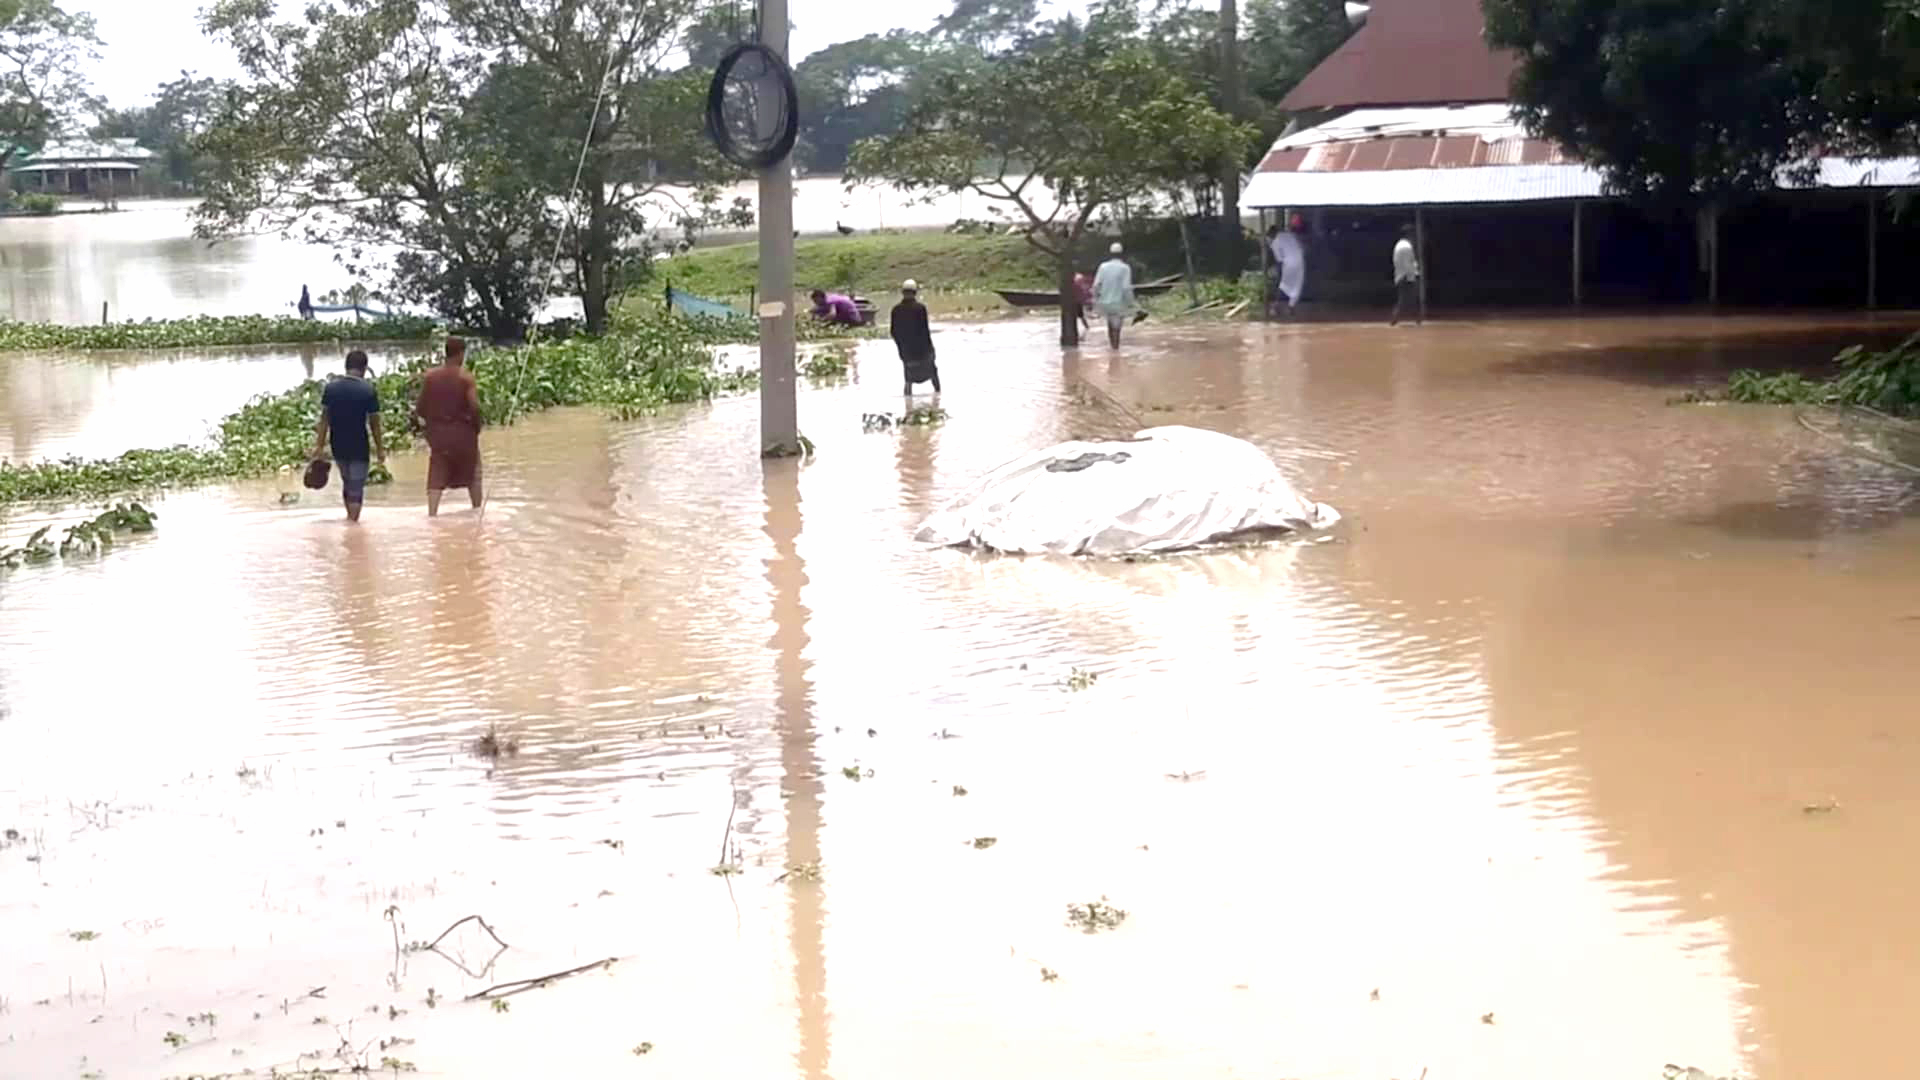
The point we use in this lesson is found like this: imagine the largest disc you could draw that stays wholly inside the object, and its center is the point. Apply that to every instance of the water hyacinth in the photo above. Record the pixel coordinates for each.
(207, 331)
(644, 362)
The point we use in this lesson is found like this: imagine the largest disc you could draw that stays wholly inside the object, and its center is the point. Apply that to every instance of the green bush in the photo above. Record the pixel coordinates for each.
(643, 363)
(206, 330)
(1888, 381)
(40, 204)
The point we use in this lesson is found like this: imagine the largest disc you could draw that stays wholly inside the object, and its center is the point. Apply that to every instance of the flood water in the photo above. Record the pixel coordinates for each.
(1582, 747)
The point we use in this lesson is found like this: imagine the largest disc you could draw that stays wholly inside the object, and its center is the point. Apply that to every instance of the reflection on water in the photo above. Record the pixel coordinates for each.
(1577, 750)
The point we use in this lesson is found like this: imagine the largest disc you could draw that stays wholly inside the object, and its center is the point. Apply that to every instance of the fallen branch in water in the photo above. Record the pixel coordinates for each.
(517, 986)
(459, 922)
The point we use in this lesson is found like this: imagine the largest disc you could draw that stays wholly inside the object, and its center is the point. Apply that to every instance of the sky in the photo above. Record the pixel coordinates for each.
(149, 42)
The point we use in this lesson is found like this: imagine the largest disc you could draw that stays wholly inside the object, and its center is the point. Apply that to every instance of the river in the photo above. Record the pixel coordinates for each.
(1576, 751)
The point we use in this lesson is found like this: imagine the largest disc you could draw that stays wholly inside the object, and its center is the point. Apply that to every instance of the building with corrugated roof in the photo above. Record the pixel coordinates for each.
(1419, 131)
(97, 167)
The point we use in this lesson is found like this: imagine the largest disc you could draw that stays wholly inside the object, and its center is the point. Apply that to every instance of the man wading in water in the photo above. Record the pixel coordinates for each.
(1113, 294)
(914, 338)
(348, 407)
(449, 405)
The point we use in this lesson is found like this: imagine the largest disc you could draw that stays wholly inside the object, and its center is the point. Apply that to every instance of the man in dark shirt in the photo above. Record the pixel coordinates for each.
(914, 338)
(349, 407)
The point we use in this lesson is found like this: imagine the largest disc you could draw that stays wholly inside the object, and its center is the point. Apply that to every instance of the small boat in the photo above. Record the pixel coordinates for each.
(1023, 298)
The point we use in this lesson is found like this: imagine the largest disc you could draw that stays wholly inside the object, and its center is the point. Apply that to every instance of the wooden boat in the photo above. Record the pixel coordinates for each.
(1023, 298)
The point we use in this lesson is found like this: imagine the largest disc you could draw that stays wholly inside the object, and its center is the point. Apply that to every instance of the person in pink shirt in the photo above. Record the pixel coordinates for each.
(1083, 298)
(834, 308)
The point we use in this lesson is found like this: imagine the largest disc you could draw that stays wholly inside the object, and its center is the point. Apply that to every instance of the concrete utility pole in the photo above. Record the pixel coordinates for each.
(1230, 95)
(779, 411)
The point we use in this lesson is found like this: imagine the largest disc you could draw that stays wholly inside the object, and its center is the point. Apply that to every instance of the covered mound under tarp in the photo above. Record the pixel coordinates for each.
(1165, 489)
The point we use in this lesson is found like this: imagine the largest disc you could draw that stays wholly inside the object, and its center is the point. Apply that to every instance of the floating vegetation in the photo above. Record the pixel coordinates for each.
(89, 537)
(83, 935)
(501, 1005)
(800, 872)
(1487, 1018)
(1047, 974)
(643, 363)
(1081, 679)
(1095, 916)
(643, 1049)
(982, 843)
(493, 746)
(206, 330)
(855, 773)
(174, 1039)
(917, 416)
(1688, 1072)
(827, 364)
(958, 791)
(379, 474)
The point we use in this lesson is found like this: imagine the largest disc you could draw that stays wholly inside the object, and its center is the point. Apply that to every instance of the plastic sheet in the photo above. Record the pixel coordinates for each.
(1165, 489)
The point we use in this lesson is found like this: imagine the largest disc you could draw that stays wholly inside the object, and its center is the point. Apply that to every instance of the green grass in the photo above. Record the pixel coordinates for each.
(206, 330)
(873, 264)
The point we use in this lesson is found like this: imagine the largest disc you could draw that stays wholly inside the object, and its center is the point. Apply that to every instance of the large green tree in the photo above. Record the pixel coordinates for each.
(181, 112)
(854, 90)
(42, 90)
(1072, 121)
(592, 97)
(1672, 98)
(354, 128)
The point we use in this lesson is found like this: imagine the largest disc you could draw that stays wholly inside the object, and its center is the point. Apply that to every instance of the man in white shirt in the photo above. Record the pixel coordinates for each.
(1113, 293)
(1406, 278)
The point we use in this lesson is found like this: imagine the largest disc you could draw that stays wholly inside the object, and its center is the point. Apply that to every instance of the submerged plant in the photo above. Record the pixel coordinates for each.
(494, 746)
(1095, 916)
(1081, 679)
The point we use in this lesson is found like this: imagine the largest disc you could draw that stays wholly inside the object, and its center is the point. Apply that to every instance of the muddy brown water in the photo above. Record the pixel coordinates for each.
(1584, 746)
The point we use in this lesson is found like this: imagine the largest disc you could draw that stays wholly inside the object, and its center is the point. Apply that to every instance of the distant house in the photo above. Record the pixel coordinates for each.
(99, 167)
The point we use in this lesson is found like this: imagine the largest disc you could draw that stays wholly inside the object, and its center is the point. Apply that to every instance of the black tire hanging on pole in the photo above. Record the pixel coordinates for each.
(752, 70)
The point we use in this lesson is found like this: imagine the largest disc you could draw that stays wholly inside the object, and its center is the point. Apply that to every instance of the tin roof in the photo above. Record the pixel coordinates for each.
(1460, 155)
(110, 152)
(1409, 52)
(63, 166)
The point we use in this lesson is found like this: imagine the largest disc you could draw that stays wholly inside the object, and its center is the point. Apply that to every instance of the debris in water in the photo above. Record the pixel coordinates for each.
(958, 791)
(1095, 916)
(174, 1039)
(1375, 995)
(1049, 975)
(1188, 777)
(494, 746)
(1688, 1072)
(501, 1005)
(1486, 1018)
(83, 935)
(854, 772)
(982, 843)
(1081, 679)
(1826, 807)
(643, 1049)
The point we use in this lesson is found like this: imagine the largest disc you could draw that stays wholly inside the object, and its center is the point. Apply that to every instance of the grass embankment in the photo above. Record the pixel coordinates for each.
(1887, 381)
(206, 330)
(871, 263)
(645, 362)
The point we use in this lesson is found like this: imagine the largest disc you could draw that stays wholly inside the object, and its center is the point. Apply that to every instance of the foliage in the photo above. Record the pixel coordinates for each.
(1091, 114)
(646, 362)
(181, 112)
(204, 331)
(1095, 916)
(39, 203)
(1671, 98)
(854, 90)
(42, 88)
(1888, 381)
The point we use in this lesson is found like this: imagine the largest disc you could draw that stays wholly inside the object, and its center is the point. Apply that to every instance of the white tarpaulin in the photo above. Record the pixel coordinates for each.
(1165, 489)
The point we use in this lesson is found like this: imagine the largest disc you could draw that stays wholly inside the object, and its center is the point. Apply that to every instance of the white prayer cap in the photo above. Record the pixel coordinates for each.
(909, 285)
(1115, 249)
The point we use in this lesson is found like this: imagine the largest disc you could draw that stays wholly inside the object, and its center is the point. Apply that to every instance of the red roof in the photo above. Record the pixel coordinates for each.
(1410, 52)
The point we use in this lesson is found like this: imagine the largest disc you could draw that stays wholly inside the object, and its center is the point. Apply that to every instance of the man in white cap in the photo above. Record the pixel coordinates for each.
(1113, 293)
(914, 338)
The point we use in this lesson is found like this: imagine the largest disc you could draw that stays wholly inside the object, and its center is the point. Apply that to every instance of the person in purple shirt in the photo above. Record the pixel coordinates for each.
(835, 308)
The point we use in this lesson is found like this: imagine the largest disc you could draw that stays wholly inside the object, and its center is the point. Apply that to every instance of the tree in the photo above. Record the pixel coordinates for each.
(182, 111)
(1670, 99)
(596, 102)
(854, 90)
(1084, 113)
(354, 127)
(42, 91)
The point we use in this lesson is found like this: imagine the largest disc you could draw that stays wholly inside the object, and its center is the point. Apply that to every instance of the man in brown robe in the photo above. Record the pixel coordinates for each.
(449, 407)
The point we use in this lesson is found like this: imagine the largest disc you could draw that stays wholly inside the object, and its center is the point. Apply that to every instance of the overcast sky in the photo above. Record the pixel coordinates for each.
(151, 41)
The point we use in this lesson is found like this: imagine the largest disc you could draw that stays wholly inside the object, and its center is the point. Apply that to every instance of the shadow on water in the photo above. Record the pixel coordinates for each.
(800, 782)
(1690, 359)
